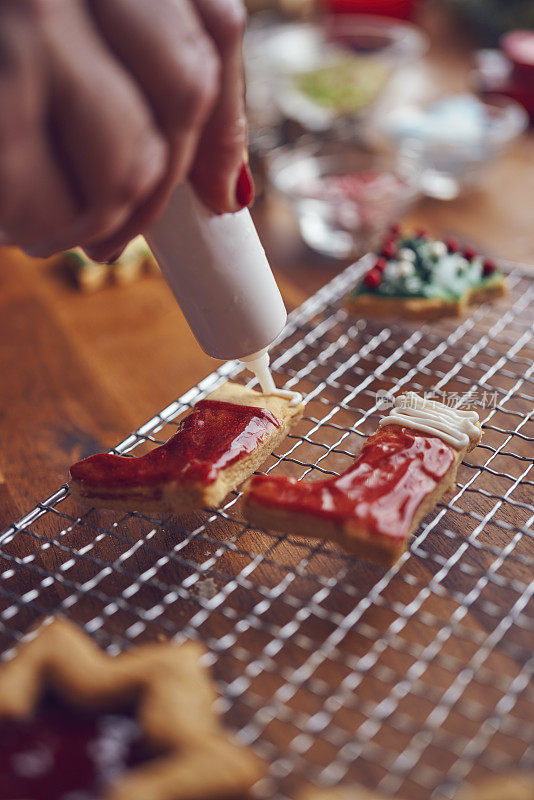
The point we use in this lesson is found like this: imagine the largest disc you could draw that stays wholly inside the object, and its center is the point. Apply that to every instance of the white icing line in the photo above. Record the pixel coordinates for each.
(258, 363)
(294, 397)
(453, 425)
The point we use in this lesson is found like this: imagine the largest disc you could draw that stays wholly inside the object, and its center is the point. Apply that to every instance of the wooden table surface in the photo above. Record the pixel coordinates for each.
(79, 372)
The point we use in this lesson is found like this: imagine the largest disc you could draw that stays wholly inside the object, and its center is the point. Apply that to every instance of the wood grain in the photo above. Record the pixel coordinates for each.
(78, 372)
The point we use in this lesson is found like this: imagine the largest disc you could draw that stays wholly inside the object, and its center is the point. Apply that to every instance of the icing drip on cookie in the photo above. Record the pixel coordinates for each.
(258, 363)
(294, 397)
(454, 426)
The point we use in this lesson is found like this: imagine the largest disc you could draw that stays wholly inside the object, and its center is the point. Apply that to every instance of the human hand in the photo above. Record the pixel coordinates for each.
(109, 104)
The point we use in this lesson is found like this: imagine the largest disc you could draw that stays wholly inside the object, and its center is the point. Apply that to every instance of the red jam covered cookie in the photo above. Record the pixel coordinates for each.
(372, 508)
(216, 447)
(76, 723)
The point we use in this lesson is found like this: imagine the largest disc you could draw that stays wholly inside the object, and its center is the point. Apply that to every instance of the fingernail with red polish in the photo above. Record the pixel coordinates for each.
(244, 190)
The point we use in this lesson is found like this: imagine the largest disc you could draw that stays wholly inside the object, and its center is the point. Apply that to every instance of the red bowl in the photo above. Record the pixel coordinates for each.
(400, 9)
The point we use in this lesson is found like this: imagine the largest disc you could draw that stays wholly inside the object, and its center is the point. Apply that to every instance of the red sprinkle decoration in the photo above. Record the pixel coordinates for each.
(421, 233)
(389, 250)
(381, 264)
(373, 278)
(395, 229)
(453, 245)
(469, 253)
(488, 267)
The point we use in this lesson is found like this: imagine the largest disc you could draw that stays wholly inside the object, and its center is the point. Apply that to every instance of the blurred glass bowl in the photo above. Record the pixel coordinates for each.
(322, 73)
(446, 145)
(344, 199)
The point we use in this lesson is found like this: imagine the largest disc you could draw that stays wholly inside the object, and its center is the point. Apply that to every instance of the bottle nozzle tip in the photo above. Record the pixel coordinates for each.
(258, 363)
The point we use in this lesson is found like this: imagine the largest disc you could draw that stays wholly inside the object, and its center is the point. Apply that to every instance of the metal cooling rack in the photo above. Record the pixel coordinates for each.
(412, 680)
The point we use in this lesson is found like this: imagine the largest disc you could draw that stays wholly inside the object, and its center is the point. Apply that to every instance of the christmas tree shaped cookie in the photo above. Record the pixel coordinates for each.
(415, 277)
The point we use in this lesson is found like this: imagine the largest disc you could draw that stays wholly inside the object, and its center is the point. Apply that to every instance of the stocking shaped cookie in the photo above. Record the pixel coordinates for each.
(66, 729)
(217, 446)
(402, 471)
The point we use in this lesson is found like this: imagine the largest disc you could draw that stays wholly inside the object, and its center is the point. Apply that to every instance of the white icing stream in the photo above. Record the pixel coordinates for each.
(454, 426)
(258, 363)
(294, 397)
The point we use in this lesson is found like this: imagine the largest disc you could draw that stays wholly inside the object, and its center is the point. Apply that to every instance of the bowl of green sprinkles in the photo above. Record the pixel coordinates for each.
(335, 70)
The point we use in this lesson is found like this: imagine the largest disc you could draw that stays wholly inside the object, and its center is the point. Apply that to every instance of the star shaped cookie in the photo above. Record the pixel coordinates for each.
(191, 754)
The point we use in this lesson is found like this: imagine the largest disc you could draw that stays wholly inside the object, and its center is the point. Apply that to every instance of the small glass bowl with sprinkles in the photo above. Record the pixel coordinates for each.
(344, 197)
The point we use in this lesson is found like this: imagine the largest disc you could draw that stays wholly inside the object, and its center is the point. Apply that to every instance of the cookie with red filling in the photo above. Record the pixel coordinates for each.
(138, 726)
(402, 471)
(218, 445)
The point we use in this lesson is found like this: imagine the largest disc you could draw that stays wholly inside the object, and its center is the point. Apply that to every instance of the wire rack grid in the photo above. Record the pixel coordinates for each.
(412, 680)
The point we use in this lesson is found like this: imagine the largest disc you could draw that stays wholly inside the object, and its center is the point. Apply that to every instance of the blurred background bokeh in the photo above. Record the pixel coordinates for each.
(366, 112)
(360, 110)
(360, 113)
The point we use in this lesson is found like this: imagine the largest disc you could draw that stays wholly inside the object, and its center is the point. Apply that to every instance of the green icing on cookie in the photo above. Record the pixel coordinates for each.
(426, 270)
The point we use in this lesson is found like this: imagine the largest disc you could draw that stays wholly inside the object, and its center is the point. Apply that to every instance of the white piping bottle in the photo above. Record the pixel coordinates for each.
(217, 269)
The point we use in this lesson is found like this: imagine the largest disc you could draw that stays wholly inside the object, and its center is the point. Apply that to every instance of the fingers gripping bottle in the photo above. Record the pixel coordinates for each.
(217, 269)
